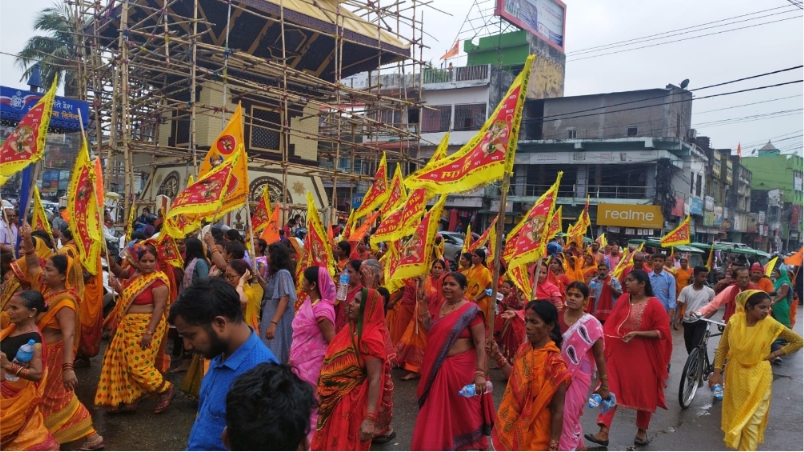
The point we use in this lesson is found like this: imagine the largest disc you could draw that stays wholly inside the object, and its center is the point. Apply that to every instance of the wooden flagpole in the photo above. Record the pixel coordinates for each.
(495, 276)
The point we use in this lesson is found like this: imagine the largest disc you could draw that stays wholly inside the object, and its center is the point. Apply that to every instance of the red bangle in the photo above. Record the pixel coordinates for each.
(372, 416)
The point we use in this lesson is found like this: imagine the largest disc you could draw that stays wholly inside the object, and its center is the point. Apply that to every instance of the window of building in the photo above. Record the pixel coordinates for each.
(698, 182)
(436, 119)
(470, 116)
(692, 183)
(572, 133)
(632, 131)
(265, 126)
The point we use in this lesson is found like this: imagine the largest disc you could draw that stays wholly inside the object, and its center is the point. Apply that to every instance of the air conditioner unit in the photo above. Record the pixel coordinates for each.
(692, 134)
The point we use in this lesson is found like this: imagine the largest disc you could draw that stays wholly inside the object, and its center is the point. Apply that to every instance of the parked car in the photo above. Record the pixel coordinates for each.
(453, 244)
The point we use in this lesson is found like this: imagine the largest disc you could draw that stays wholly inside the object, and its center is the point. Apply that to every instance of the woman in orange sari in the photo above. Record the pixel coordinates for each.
(589, 268)
(410, 349)
(352, 388)
(139, 324)
(531, 415)
(21, 424)
(13, 279)
(479, 279)
(59, 282)
(455, 357)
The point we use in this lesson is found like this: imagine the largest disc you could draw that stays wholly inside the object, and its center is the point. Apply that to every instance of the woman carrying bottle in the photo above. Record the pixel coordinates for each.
(140, 320)
(351, 388)
(276, 317)
(21, 423)
(638, 350)
(582, 351)
(59, 283)
(355, 285)
(313, 328)
(455, 356)
(531, 414)
(747, 392)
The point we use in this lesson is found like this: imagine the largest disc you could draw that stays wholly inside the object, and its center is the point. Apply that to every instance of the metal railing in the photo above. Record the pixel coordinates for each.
(569, 191)
(457, 74)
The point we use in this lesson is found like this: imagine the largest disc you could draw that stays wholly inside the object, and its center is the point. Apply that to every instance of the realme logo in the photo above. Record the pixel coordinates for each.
(630, 215)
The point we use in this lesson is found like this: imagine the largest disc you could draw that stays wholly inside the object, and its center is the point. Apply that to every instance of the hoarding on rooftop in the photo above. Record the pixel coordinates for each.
(546, 19)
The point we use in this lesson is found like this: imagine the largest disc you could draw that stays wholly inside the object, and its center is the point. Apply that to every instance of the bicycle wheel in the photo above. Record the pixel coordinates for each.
(690, 375)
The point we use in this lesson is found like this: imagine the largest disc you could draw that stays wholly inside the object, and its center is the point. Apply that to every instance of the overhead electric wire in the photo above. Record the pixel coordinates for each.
(685, 39)
(685, 30)
(765, 74)
(746, 105)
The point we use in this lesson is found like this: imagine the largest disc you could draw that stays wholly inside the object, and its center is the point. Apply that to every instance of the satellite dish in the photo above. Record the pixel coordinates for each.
(685, 83)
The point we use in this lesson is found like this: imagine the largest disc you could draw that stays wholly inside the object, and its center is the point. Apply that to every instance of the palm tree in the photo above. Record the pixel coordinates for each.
(55, 51)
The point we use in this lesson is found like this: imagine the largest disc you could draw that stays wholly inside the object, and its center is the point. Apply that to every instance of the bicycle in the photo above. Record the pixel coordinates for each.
(697, 368)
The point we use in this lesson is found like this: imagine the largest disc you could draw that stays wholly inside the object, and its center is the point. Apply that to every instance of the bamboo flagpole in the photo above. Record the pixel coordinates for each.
(495, 275)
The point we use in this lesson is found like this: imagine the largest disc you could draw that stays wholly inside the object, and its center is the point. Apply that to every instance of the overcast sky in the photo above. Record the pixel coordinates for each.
(704, 61)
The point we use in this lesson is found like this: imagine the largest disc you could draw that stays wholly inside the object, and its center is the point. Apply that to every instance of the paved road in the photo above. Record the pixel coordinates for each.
(697, 428)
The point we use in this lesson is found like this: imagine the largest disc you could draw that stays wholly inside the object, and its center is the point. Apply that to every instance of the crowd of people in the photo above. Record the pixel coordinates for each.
(278, 360)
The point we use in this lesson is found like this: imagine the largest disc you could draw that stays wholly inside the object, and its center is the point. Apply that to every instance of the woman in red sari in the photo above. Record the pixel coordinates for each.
(410, 348)
(455, 357)
(352, 388)
(638, 348)
(355, 285)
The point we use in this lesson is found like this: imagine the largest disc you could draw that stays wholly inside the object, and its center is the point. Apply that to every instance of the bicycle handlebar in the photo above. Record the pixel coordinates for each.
(720, 324)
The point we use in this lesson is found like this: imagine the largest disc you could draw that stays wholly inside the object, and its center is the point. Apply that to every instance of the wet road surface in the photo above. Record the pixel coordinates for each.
(697, 428)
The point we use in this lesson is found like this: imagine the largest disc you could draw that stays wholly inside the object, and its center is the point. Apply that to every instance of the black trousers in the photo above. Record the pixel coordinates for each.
(694, 333)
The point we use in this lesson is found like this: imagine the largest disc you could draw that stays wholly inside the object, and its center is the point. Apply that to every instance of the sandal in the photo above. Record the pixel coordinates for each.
(641, 442)
(164, 400)
(93, 445)
(593, 438)
(382, 439)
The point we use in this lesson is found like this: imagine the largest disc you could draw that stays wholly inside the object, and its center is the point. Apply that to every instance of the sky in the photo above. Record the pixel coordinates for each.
(707, 60)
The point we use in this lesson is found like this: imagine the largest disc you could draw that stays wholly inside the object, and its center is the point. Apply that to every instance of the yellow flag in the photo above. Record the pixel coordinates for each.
(83, 208)
(377, 193)
(678, 236)
(467, 239)
(770, 265)
(488, 155)
(26, 144)
(226, 144)
(39, 221)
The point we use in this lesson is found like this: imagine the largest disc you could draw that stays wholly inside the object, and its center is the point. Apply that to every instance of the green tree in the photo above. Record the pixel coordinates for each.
(55, 51)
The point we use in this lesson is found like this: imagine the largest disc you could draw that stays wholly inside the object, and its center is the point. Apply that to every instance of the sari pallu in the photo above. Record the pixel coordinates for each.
(446, 420)
(640, 366)
(340, 308)
(524, 419)
(576, 351)
(343, 385)
(410, 348)
(65, 417)
(479, 278)
(601, 308)
(21, 423)
(398, 317)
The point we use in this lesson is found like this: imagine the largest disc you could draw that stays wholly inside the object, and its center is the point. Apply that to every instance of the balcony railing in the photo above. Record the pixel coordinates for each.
(569, 191)
(458, 74)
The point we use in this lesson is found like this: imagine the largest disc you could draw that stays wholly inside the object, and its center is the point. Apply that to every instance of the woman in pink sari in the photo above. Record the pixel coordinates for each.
(352, 268)
(582, 351)
(313, 329)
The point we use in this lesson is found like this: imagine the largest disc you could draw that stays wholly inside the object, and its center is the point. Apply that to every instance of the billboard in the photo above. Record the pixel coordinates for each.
(544, 18)
(630, 216)
(15, 103)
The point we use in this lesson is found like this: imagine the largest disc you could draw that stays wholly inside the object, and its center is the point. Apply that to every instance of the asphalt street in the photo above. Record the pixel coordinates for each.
(697, 428)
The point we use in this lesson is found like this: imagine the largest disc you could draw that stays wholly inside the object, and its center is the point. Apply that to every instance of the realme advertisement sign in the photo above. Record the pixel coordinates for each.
(630, 216)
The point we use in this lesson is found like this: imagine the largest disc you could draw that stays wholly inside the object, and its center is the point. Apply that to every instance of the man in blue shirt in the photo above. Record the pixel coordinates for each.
(208, 317)
(553, 247)
(663, 285)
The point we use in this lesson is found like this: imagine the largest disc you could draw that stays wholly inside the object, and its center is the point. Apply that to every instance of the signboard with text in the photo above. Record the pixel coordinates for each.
(546, 19)
(630, 216)
(14, 103)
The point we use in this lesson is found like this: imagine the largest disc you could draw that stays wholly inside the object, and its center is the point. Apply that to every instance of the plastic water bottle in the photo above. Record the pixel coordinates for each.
(488, 292)
(24, 355)
(604, 404)
(717, 390)
(470, 390)
(343, 287)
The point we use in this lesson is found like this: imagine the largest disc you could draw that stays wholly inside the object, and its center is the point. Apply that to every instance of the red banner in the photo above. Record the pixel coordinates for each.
(377, 193)
(168, 251)
(555, 223)
(484, 237)
(397, 194)
(417, 252)
(401, 221)
(488, 155)
(531, 240)
(26, 144)
(261, 217)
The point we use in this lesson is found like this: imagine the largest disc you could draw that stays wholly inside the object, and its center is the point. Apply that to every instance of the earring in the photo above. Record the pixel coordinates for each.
(565, 304)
